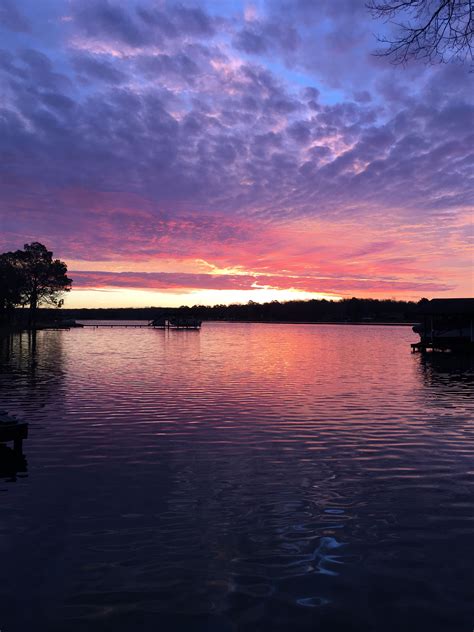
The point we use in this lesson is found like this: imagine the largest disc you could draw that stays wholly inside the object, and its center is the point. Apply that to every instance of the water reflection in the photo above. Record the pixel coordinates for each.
(439, 370)
(245, 477)
(448, 381)
(31, 363)
(12, 463)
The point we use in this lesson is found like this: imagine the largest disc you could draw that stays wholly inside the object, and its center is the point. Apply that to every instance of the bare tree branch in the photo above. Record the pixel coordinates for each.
(430, 30)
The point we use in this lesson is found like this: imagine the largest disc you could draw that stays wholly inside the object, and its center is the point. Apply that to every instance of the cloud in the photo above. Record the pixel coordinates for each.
(140, 25)
(187, 153)
(179, 20)
(91, 69)
(149, 130)
(168, 281)
(11, 18)
(259, 37)
(101, 18)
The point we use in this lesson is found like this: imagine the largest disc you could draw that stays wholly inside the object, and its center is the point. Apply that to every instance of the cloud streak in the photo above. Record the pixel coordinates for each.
(169, 281)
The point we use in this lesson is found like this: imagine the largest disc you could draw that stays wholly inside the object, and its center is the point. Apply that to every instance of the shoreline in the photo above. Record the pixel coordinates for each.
(268, 322)
(310, 322)
(8, 331)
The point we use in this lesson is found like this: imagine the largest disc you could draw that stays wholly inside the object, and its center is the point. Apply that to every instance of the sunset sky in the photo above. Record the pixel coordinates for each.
(210, 152)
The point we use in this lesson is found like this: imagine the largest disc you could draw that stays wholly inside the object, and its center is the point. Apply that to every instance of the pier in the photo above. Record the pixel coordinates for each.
(158, 323)
(108, 325)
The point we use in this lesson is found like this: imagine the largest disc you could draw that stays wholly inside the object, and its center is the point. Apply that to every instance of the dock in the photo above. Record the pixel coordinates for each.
(425, 346)
(175, 323)
(159, 323)
(446, 325)
(109, 325)
(12, 430)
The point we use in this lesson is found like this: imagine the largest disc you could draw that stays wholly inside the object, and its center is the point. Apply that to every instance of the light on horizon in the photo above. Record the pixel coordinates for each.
(119, 297)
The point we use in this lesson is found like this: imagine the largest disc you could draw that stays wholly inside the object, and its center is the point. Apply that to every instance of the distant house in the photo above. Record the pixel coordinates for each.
(445, 324)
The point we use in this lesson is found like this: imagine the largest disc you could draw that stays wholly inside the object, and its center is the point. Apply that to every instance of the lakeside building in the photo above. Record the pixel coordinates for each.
(446, 324)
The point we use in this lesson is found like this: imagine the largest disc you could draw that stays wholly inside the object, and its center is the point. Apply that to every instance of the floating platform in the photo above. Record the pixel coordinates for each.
(175, 323)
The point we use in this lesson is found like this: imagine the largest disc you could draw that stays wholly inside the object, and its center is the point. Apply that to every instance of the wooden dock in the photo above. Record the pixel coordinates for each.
(13, 431)
(165, 325)
(157, 323)
(108, 325)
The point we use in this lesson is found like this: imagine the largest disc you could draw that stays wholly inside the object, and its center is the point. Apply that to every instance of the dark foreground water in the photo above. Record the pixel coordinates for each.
(245, 477)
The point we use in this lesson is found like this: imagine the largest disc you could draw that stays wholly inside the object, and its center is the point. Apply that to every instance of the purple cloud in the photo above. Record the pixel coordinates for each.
(12, 19)
(235, 122)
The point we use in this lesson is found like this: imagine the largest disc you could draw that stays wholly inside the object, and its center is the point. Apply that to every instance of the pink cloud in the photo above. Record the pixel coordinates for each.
(167, 281)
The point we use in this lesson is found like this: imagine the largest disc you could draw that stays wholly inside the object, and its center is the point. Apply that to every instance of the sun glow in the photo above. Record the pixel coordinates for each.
(119, 297)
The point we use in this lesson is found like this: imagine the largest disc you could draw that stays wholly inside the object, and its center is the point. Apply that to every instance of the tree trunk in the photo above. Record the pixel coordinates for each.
(33, 309)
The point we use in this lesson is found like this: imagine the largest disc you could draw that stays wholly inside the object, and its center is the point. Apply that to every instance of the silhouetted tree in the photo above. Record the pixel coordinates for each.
(431, 30)
(46, 278)
(12, 285)
(31, 277)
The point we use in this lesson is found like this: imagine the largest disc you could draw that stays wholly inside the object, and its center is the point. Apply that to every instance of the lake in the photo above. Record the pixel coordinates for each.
(244, 477)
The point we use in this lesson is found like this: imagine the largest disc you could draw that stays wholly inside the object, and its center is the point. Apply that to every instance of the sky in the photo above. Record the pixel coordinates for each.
(180, 153)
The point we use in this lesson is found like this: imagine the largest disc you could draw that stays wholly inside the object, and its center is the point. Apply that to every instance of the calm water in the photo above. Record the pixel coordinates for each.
(245, 477)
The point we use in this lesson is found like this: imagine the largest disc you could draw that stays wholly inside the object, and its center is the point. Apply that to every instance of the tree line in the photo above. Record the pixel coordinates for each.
(354, 310)
(30, 278)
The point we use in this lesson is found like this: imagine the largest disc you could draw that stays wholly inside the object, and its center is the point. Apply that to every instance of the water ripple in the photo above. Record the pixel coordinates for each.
(245, 477)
